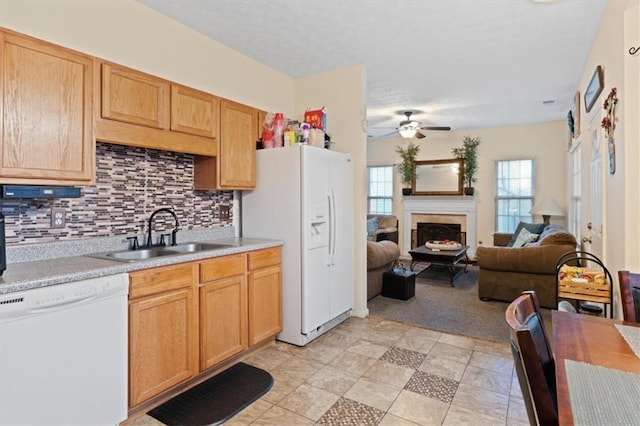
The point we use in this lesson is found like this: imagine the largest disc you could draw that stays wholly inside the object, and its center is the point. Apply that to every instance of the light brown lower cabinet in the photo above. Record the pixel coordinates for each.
(223, 309)
(163, 331)
(265, 294)
(186, 318)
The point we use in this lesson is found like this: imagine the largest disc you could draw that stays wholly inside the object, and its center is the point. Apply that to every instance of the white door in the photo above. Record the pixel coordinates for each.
(316, 291)
(575, 189)
(593, 234)
(341, 240)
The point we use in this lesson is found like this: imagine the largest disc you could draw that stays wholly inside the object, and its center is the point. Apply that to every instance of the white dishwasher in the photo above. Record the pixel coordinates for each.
(63, 354)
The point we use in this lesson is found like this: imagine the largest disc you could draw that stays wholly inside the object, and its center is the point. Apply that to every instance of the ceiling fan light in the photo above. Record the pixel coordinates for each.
(407, 131)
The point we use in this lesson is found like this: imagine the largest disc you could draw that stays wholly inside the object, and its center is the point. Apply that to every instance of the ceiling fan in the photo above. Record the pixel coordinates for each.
(409, 128)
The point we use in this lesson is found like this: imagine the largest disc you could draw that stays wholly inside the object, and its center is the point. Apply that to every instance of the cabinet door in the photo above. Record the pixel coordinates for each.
(163, 343)
(260, 123)
(223, 320)
(194, 112)
(134, 97)
(265, 303)
(46, 105)
(237, 153)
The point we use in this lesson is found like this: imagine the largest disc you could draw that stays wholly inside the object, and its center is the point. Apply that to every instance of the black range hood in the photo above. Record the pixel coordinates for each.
(39, 191)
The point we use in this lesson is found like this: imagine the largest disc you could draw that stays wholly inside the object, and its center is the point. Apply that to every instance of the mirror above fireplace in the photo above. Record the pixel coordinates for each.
(438, 177)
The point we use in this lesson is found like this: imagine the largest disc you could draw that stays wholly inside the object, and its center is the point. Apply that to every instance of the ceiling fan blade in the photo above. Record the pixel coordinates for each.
(420, 135)
(435, 128)
(383, 135)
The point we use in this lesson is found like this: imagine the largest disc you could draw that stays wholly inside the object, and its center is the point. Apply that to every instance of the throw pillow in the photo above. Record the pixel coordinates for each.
(525, 237)
(534, 228)
(372, 227)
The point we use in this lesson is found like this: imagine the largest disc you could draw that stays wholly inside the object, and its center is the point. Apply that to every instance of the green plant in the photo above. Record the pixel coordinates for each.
(407, 168)
(469, 153)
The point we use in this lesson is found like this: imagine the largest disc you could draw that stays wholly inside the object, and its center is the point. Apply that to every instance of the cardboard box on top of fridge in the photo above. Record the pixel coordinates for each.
(317, 118)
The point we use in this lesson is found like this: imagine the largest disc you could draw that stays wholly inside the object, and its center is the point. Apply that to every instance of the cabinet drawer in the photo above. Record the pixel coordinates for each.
(263, 258)
(158, 280)
(222, 267)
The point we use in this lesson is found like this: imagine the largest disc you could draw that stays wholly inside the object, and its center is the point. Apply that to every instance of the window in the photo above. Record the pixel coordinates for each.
(380, 198)
(514, 180)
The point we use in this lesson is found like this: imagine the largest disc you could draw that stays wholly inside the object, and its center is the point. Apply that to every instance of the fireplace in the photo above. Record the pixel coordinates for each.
(441, 210)
(427, 231)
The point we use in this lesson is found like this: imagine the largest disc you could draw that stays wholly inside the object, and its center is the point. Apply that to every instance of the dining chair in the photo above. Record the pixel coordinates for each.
(533, 358)
(630, 295)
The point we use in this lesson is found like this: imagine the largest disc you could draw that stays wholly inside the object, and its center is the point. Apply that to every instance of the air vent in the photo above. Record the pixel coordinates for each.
(10, 301)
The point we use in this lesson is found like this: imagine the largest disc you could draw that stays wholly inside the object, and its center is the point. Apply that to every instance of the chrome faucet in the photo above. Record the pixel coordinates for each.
(173, 233)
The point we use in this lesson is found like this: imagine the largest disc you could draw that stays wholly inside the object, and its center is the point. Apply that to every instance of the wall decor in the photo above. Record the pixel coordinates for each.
(576, 115)
(609, 125)
(634, 50)
(570, 130)
(596, 84)
(438, 177)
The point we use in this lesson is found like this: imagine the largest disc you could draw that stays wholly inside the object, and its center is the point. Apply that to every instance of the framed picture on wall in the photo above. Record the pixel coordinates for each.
(576, 115)
(596, 84)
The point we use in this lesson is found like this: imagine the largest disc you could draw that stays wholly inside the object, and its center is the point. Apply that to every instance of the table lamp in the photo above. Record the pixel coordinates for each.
(546, 207)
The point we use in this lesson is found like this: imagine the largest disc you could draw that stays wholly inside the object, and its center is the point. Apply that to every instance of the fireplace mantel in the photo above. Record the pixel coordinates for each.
(463, 205)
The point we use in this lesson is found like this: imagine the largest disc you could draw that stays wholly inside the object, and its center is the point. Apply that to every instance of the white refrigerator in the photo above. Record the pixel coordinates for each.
(304, 196)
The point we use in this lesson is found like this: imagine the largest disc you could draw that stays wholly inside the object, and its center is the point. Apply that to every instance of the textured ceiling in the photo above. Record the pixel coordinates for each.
(460, 63)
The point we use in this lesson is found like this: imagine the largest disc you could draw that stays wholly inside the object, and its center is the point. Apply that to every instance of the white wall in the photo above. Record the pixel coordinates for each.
(543, 142)
(343, 93)
(621, 208)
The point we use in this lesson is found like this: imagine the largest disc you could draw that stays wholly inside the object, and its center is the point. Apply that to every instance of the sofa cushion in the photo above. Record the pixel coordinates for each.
(534, 228)
(556, 236)
(372, 227)
(381, 253)
(524, 237)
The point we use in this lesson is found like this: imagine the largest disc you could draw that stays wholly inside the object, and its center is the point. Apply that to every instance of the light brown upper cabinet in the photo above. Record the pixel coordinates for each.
(235, 165)
(139, 109)
(194, 112)
(46, 106)
(133, 97)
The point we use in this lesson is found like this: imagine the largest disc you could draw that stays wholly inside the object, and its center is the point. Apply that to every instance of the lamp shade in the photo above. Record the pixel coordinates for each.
(546, 207)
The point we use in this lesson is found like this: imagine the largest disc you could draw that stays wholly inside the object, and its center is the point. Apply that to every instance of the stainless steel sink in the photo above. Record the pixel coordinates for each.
(133, 255)
(196, 247)
(150, 253)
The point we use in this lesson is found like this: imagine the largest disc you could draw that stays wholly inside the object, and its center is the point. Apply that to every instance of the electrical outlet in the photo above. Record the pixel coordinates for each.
(224, 211)
(58, 218)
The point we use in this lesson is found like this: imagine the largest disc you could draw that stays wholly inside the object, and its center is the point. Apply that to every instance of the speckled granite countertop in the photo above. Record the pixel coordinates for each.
(46, 272)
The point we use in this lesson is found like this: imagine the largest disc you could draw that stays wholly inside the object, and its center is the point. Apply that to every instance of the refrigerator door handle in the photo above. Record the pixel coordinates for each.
(330, 245)
(332, 218)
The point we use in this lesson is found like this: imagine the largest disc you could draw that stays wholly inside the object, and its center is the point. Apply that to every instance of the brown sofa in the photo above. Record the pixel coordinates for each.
(380, 258)
(505, 272)
(387, 228)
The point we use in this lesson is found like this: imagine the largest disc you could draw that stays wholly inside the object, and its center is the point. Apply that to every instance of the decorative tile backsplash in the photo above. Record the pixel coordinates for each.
(130, 184)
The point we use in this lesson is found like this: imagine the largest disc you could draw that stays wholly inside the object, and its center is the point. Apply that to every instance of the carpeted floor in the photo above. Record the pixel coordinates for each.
(457, 309)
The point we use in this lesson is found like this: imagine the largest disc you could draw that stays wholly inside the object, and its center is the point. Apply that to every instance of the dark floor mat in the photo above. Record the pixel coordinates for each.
(216, 400)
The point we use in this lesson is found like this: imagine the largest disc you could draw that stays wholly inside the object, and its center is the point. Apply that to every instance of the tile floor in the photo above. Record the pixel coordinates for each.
(374, 371)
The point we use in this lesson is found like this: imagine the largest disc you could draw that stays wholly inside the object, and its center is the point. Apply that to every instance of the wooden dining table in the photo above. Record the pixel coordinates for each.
(590, 339)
